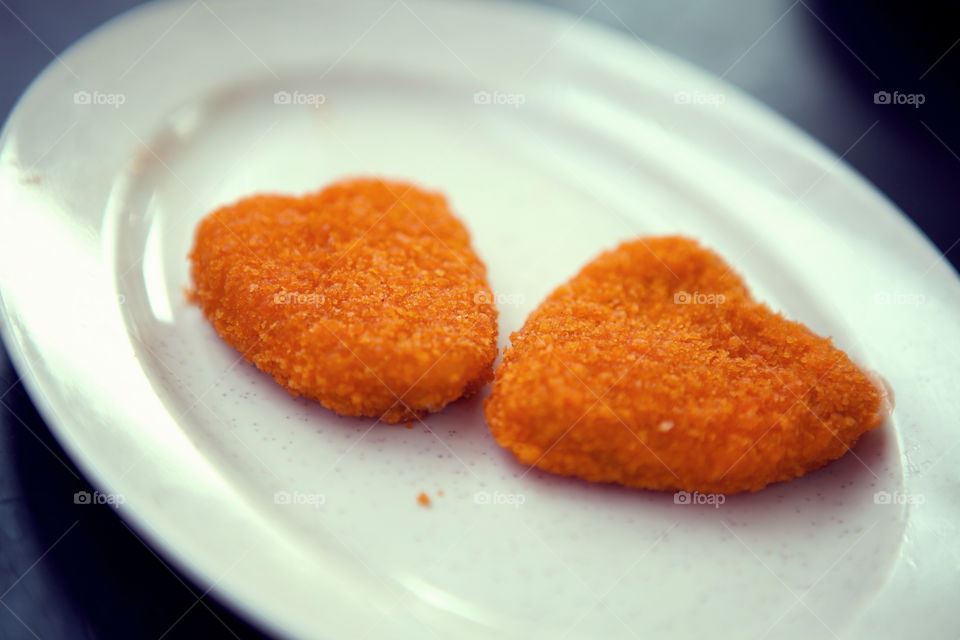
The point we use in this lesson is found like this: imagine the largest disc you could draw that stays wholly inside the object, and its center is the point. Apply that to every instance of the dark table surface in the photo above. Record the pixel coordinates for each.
(78, 571)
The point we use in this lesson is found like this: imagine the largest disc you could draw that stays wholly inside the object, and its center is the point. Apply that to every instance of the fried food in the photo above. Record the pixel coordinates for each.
(365, 296)
(654, 367)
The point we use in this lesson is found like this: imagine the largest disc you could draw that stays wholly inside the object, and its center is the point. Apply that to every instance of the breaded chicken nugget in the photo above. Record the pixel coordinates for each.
(655, 368)
(366, 296)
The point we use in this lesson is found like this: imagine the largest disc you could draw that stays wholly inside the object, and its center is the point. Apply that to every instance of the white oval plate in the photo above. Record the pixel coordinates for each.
(554, 139)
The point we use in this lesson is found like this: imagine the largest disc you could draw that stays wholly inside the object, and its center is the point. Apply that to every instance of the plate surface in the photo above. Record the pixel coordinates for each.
(553, 139)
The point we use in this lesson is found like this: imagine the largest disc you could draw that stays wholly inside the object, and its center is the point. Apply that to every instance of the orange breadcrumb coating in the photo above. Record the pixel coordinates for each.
(423, 499)
(613, 379)
(365, 296)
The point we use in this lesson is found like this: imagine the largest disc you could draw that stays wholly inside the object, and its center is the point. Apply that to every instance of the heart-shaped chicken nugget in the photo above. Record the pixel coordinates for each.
(654, 368)
(366, 296)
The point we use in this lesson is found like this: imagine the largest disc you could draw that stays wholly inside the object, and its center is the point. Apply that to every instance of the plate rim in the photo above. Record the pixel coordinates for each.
(53, 411)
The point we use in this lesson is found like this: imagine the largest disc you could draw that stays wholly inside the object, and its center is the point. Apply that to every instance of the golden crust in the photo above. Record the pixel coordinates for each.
(365, 296)
(614, 379)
